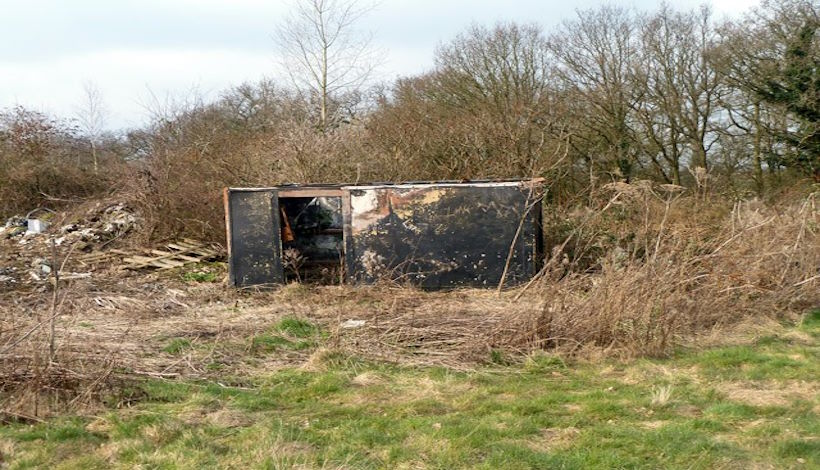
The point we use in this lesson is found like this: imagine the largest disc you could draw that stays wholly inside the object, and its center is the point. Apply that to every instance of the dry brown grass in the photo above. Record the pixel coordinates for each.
(670, 270)
(770, 393)
(672, 277)
(643, 273)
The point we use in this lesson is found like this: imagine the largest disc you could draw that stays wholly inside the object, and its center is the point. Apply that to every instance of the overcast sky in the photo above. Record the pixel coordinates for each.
(133, 49)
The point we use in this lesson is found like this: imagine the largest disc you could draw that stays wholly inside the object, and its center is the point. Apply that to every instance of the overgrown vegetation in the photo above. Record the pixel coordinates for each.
(749, 404)
(667, 328)
(617, 95)
(642, 272)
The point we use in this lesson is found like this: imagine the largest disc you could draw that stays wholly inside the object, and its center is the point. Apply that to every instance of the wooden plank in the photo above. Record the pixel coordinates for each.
(166, 255)
(191, 259)
(177, 247)
(195, 250)
(158, 252)
(167, 263)
(183, 247)
(144, 259)
(179, 254)
(191, 245)
(134, 264)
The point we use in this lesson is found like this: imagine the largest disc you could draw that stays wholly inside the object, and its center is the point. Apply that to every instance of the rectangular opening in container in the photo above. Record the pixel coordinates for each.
(312, 238)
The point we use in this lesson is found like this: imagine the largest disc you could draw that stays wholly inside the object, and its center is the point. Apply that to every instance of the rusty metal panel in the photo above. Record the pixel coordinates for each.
(254, 237)
(442, 235)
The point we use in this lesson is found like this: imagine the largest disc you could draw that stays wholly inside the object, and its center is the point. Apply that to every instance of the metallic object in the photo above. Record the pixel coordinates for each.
(436, 235)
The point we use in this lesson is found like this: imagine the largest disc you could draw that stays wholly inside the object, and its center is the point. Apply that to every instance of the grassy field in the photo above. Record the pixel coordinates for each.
(744, 406)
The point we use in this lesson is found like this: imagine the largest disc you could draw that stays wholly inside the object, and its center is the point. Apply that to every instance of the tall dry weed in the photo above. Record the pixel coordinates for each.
(668, 266)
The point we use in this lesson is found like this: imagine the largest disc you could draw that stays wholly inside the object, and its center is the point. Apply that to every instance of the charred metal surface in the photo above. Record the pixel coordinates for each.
(436, 235)
(254, 239)
(441, 235)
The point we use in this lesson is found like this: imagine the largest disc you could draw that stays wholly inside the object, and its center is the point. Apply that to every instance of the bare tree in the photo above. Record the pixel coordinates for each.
(323, 52)
(772, 57)
(91, 115)
(594, 55)
(501, 76)
(679, 90)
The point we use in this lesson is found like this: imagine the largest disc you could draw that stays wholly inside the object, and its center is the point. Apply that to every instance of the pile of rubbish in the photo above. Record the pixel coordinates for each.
(29, 244)
(28, 225)
(100, 225)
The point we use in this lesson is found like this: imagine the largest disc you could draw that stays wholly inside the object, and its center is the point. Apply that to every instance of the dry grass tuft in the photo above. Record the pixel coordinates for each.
(661, 396)
(368, 379)
(668, 272)
(645, 273)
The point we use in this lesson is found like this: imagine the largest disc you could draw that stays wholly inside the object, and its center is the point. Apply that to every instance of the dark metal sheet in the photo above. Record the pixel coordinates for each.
(442, 236)
(254, 237)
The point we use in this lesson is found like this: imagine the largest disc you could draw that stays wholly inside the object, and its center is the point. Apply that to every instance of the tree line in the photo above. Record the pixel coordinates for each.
(673, 96)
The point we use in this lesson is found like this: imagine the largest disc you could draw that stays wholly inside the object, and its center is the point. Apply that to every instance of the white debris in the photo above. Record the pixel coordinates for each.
(35, 226)
(353, 323)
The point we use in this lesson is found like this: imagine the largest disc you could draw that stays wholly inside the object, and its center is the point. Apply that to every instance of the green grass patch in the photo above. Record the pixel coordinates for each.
(811, 323)
(177, 345)
(543, 412)
(296, 327)
(289, 333)
(203, 272)
(194, 276)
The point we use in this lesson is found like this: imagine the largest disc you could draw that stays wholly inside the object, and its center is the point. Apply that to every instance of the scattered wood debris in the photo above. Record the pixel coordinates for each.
(178, 254)
(175, 255)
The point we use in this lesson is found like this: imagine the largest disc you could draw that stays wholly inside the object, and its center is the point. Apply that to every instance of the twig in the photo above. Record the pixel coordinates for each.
(805, 281)
(55, 294)
(511, 251)
(21, 416)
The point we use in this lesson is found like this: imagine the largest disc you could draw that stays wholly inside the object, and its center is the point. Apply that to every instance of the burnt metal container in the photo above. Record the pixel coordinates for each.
(437, 235)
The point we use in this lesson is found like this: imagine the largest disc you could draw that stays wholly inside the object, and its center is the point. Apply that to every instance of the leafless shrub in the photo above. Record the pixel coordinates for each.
(38, 375)
(680, 273)
(42, 163)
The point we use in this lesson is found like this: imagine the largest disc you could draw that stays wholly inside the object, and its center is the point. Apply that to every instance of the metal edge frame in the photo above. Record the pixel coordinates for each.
(347, 235)
(276, 230)
(538, 243)
(226, 195)
(308, 192)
